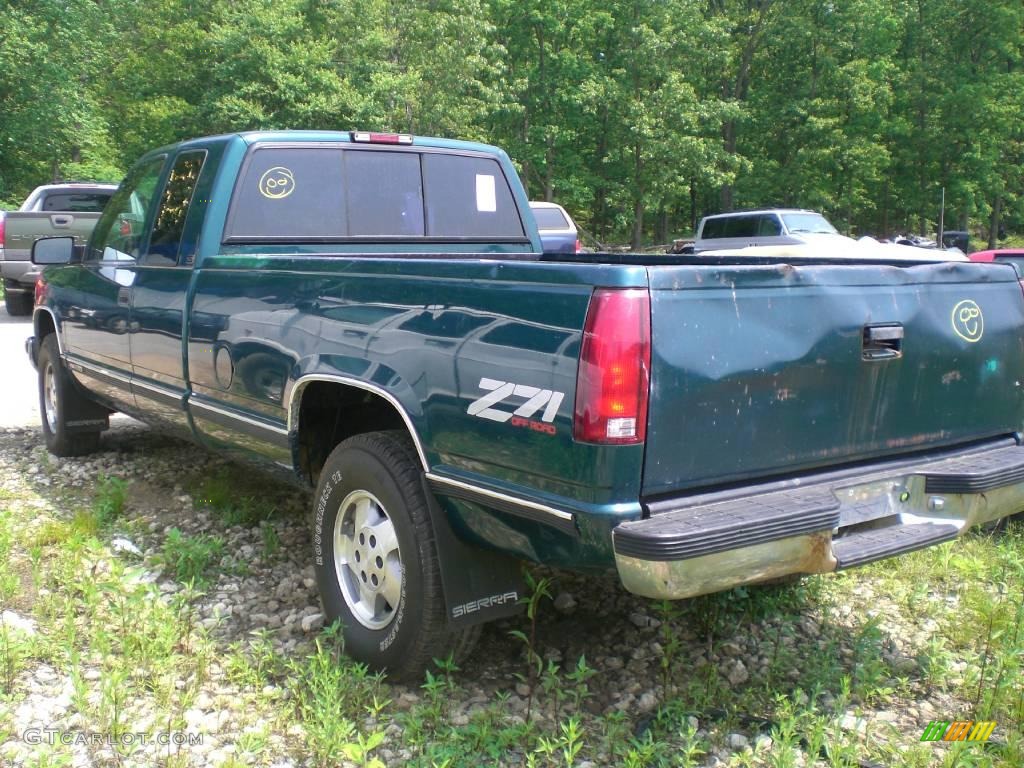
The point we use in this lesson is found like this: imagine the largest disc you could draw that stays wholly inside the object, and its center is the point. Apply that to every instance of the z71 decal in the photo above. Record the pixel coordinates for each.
(536, 398)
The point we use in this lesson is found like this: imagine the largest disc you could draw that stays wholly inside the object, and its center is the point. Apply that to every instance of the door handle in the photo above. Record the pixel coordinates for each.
(882, 342)
(62, 221)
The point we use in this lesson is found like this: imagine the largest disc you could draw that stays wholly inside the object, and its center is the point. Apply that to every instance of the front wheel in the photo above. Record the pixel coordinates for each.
(376, 561)
(58, 397)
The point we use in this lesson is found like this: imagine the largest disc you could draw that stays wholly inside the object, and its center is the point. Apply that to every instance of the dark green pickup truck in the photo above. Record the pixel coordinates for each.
(373, 315)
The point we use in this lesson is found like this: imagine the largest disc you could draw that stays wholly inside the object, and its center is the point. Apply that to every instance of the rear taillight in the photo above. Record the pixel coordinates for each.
(3, 232)
(579, 246)
(615, 363)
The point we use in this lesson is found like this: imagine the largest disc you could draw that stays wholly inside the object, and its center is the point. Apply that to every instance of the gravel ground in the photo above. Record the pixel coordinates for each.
(621, 635)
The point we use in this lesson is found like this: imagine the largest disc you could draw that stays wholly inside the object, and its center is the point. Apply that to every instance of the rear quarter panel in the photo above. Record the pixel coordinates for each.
(429, 332)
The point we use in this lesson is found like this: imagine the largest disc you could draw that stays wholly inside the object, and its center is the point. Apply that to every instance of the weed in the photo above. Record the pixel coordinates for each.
(358, 751)
(220, 492)
(14, 649)
(331, 690)
(271, 541)
(111, 495)
(870, 672)
(580, 690)
(538, 589)
(252, 743)
(439, 689)
(668, 613)
(192, 557)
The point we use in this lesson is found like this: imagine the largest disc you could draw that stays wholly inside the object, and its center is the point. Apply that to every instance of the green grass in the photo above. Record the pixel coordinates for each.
(954, 613)
(228, 492)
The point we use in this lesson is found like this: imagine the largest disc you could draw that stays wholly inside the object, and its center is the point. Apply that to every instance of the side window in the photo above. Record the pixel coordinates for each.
(121, 229)
(769, 225)
(173, 210)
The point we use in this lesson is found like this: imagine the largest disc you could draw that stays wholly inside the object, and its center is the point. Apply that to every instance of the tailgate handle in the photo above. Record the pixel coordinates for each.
(883, 342)
(62, 221)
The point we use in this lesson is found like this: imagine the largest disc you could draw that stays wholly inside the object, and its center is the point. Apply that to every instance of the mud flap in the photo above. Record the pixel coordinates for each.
(480, 585)
(86, 415)
(83, 414)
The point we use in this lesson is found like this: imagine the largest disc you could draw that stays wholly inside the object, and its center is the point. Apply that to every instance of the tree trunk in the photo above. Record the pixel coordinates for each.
(693, 207)
(993, 222)
(661, 236)
(638, 224)
(549, 168)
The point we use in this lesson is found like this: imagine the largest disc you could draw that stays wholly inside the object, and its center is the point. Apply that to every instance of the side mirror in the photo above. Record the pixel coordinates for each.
(53, 250)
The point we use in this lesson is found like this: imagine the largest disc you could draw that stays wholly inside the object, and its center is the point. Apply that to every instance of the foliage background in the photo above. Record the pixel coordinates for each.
(638, 115)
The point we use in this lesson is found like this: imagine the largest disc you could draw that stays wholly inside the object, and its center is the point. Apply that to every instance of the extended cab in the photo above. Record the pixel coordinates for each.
(53, 209)
(373, 315)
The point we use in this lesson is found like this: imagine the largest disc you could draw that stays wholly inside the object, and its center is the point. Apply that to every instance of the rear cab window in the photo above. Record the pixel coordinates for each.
(76, 202)
(550, 218)
(332, 193)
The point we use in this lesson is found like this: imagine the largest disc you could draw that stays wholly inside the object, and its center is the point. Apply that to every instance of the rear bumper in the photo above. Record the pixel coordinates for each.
(699, 545)
(19, 276)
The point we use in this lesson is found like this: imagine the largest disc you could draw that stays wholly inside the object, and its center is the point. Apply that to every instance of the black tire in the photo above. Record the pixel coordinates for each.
(18, 304)
(394, 626)
(55, 404)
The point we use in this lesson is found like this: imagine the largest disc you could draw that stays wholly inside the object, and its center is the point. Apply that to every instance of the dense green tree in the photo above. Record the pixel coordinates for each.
(638, 115)
(53, 126)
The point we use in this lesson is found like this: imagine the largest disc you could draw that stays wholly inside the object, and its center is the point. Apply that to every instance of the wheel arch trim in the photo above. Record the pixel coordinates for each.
(295, 403)
(512, 503)
(56, 327)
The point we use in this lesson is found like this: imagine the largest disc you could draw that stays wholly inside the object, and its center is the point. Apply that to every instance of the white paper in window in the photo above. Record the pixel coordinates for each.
(486, 199)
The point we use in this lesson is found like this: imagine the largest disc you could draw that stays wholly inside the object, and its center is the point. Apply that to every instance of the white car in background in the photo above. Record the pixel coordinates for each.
(776, 226)
(558, 232)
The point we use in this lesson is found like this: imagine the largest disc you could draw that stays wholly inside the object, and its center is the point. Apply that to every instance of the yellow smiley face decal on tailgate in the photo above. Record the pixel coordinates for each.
(968, 322)
(277, 182)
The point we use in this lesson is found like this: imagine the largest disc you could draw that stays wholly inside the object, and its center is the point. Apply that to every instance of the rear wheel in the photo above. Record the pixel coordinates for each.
(18, 304)
(58, 396)
(376, 561)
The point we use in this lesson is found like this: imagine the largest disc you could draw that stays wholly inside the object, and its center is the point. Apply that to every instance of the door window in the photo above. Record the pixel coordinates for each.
(122, 227)
(169, 224)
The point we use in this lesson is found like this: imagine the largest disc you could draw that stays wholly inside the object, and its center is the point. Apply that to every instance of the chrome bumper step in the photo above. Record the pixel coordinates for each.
(864, 547)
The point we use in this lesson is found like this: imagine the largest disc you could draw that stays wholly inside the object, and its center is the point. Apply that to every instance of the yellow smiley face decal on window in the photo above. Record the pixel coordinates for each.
(277, 182)
(968, 322)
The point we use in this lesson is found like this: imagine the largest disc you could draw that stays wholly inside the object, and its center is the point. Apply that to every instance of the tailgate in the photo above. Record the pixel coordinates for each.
(767, 370)
(22, 228)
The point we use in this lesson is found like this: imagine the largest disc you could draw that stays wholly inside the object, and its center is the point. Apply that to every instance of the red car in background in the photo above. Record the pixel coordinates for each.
(1013, 256)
